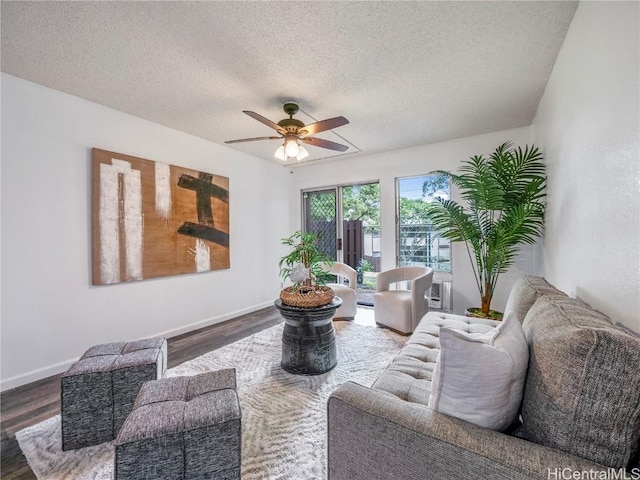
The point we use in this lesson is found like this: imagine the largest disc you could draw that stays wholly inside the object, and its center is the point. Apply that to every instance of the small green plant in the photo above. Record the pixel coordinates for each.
(304, 256)
(365, 265)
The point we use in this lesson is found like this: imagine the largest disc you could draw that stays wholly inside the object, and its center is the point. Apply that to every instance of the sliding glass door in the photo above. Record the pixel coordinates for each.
(320, 212)
(347, 218)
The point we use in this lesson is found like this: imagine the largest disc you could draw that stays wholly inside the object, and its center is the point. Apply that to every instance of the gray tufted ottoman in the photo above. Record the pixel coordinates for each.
(182, 428)
(98, 391)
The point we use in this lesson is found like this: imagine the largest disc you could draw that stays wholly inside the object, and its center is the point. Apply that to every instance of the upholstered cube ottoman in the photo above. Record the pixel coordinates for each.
(98, 391)
(182, 428)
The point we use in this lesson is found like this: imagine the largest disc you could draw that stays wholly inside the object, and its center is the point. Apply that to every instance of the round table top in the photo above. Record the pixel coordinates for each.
(335, 303)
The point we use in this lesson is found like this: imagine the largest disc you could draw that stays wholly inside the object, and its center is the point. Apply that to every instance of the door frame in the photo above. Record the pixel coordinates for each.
(339, 214)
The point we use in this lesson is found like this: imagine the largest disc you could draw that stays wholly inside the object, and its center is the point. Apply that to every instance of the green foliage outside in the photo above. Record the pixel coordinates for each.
(418, 239)
(323, 206)
(413, 211)
(359, 202)
(435, 183)
(362, 202)
(364, 265)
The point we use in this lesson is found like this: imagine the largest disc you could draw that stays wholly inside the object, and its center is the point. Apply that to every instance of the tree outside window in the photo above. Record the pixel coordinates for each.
(419, 242)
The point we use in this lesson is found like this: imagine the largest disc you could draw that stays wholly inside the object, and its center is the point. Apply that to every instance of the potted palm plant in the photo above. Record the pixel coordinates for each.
(305, 266)
(504, 209)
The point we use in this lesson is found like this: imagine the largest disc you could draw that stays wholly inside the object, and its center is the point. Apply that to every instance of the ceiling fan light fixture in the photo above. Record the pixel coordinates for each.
(280, 155)
(302, 154)
(291, 147)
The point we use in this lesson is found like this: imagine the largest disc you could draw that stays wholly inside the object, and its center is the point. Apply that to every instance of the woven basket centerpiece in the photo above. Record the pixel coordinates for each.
(307, 296)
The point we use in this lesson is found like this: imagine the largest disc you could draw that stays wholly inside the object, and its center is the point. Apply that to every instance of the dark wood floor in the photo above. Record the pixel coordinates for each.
(30, 404)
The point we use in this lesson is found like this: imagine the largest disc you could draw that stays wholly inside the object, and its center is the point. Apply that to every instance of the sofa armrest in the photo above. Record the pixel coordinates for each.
(375, 435)
(419, 302)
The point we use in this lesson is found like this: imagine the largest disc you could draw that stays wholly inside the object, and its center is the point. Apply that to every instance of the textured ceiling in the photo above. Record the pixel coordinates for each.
(403, 73)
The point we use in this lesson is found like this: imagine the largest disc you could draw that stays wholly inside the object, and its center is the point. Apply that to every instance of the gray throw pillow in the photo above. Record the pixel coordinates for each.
(582, 393)
(524, 294)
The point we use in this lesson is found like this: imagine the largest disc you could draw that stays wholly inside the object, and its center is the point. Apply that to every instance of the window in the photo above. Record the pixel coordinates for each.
(418, 242)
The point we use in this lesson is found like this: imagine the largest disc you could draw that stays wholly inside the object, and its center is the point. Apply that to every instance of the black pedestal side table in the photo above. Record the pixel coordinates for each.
(308, 339)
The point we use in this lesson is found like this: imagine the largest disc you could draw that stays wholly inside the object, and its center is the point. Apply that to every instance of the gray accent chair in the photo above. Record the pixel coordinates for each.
(347, 292)
(97, 392)
(182, 428)
(580, 410)
(401, 309)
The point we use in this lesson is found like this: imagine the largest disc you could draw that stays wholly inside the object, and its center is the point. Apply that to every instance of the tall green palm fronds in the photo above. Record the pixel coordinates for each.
(504, 208)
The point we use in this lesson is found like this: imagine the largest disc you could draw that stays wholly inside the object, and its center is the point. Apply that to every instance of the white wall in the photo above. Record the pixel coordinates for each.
(588, 123)
(386, 167)
(50, 311)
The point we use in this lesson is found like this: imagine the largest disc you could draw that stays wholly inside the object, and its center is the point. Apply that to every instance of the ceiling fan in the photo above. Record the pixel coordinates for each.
(293, 131)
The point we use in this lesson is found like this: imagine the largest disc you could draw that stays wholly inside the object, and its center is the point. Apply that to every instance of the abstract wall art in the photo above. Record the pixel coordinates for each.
(151, 219)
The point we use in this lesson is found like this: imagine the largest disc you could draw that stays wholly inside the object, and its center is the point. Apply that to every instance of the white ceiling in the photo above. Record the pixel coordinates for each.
(403, 73)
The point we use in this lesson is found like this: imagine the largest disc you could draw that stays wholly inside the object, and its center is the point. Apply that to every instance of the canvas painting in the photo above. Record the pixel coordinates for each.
(151, 219)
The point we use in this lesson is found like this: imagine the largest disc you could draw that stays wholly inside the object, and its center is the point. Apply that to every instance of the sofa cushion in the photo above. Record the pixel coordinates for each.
(409, 375)
(479, 377)
(525, 292)
(582, 393)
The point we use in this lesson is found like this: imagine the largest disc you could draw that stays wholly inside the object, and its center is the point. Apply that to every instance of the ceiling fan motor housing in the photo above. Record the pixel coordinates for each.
(291, 107)
(291, 125)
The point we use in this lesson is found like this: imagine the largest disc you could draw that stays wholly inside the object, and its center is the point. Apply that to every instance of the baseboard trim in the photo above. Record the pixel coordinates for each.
(212, 321)
(34, 375)
(48, 371)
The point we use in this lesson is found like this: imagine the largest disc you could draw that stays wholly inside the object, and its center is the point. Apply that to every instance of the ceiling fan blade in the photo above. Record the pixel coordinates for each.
(252, 139)
(266, 121)
(323, 125)
(320, 142)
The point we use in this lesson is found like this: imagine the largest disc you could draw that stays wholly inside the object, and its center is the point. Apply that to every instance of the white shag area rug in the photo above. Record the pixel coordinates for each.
(283, 415)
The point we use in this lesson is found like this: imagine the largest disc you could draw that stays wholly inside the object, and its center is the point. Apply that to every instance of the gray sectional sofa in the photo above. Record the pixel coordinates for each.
(580, 410)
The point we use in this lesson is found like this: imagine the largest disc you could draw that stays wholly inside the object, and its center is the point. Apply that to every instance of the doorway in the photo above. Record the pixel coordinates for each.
(347, 219)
